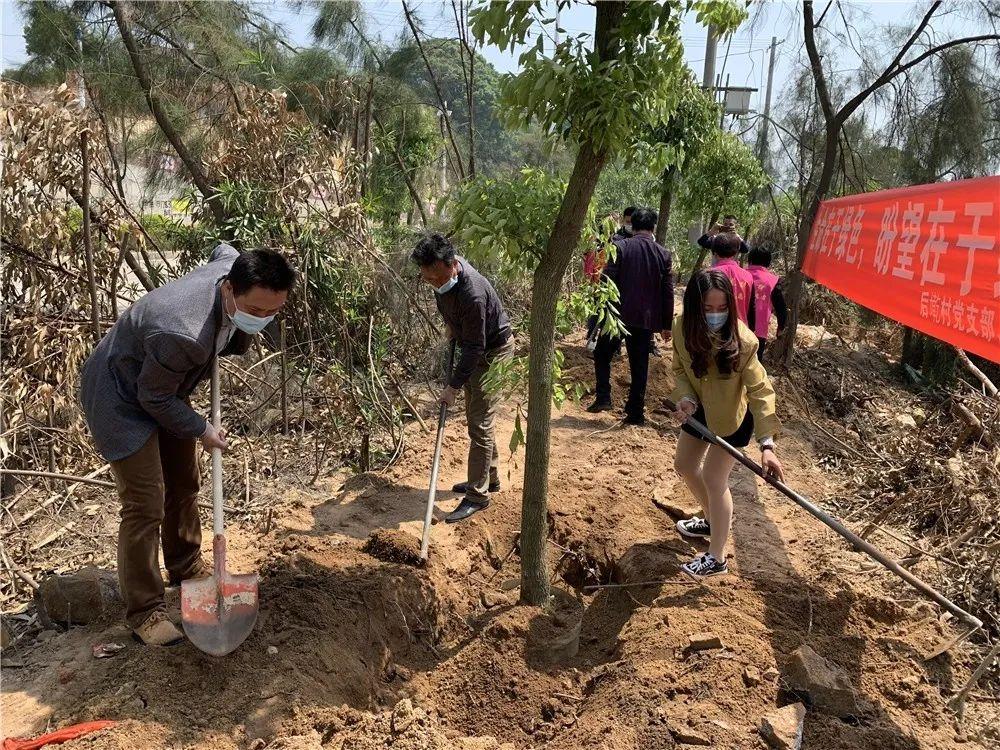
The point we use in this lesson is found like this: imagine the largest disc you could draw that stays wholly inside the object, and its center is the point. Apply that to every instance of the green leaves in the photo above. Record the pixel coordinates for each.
(579, 96)
(679, 138)
(725, 15)
(504, 223)
(724, 178)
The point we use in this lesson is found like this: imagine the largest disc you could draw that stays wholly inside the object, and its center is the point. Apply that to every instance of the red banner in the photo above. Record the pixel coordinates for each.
(926, 256)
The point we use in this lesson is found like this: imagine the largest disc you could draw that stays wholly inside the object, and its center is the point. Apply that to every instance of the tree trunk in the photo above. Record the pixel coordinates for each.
(666, 198)
(702, 252)
(784, 346)
(545, 294)
(121, 10)
(414, 193)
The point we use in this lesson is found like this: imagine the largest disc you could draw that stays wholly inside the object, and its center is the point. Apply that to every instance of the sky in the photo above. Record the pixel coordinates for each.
(742, 59)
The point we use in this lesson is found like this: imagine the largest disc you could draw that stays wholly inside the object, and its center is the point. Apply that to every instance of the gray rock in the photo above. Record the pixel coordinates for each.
(822, 684)
(81, 597)
(782, 729)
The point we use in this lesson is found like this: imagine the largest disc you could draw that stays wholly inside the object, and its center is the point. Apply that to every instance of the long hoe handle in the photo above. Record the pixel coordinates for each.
(218, 528)
(425, 540)
(856, 541)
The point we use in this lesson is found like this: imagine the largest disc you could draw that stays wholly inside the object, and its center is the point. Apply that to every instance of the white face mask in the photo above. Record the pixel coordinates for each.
(448, 285)
(246, 322)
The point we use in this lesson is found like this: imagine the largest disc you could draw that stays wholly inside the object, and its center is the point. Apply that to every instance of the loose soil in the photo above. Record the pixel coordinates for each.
(356, 650)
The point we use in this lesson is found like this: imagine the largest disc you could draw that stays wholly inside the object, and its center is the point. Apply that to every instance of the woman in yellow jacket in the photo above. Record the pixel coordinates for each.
(721, 383)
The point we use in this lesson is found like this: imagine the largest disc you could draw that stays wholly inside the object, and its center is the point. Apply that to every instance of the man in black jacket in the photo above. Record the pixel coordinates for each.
(624, 232)
(478, 324)
(728, 226)
(642, 271)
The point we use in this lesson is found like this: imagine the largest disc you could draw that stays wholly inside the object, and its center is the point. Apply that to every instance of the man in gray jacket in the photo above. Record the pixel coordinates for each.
(135, 390)
(479, 326)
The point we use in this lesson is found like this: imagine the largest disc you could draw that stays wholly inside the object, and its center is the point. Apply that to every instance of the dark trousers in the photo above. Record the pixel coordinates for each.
(761, 343)
(158, 487)
(638, 345)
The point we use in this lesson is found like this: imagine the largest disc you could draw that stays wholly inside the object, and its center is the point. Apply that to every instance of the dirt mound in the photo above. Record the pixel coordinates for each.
(394, 546)
(405, 727)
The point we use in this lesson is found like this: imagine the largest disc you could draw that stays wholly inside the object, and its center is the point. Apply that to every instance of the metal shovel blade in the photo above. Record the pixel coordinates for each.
(218, 613)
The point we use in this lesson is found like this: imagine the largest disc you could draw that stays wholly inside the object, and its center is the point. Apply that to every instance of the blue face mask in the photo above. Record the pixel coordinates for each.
(248, 323)
(448, 285)
(716, 320)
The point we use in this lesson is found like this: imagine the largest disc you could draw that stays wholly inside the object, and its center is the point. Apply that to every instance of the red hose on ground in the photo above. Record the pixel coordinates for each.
(58, 737)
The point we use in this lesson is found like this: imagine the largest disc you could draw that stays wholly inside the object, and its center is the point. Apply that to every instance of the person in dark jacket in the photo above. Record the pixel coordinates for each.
(481, 329)
(135, 390)
(625, 231)
(642, 271)
(728, 226)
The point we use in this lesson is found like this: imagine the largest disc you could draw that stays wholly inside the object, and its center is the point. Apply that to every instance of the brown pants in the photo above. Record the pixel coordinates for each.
(480, 414)
(158, 487)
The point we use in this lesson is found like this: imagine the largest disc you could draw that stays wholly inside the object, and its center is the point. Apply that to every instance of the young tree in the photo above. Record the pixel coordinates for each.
(596, 98)
(723, 178)
(669, 147)
(911, 53)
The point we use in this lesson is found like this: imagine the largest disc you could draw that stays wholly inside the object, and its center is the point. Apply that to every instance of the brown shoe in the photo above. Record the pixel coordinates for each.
(157, 630)
(201, 569)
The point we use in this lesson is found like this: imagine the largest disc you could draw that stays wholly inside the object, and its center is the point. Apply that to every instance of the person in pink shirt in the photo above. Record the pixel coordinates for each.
(768, 296)
(725, 249)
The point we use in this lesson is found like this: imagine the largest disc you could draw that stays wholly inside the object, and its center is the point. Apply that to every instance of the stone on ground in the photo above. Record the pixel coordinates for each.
(80, 598)
(687, 736)
(703, 642)
(782, 729)
(822, 684)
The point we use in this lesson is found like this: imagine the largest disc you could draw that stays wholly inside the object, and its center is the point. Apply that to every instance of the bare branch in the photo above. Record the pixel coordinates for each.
(121, 10)
(437, 90)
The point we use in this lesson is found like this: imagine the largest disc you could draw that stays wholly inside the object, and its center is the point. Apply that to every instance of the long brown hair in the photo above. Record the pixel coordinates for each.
(698, 339)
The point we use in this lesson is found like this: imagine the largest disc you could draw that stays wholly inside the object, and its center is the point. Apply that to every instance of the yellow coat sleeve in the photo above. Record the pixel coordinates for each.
(760, 396)
(682, 384)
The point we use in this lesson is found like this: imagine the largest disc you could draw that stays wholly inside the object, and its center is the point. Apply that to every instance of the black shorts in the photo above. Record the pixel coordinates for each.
(739, 439)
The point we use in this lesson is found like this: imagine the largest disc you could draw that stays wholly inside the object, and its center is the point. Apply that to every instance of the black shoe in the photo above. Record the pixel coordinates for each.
(637, 420)
(463, 487)
(705, 566)
(695, 528)
(598, 406)
(465, 509)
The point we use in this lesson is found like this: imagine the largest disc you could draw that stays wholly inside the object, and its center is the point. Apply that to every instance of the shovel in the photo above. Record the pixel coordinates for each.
(435, 465)
(219, 612)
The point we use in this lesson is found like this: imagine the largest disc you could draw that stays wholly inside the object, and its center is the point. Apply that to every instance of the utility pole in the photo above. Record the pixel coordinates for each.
(88, 247)
(556, 30)
(708, 80)
(766, 124)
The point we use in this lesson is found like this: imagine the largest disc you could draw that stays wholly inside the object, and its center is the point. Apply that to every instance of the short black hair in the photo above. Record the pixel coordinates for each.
(431, 248)
(759, 256)
(726, 245)
(266, 268)
(628, 211)
(729, 216)
(644, 219)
